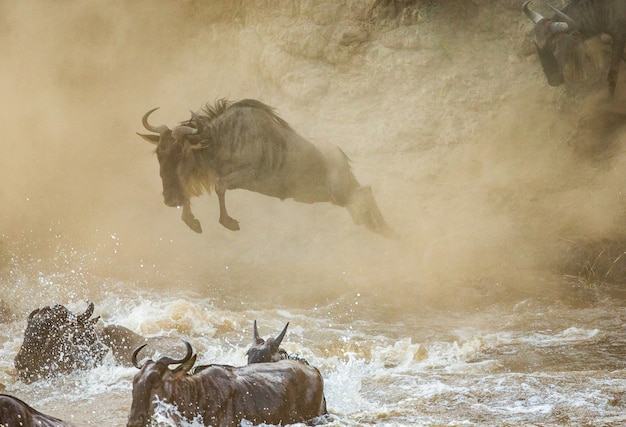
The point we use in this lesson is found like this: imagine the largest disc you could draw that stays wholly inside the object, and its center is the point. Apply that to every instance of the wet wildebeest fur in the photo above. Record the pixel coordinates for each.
(282, 393)
(247, 145)
(578, 21)
(16, 413)
(57, 341)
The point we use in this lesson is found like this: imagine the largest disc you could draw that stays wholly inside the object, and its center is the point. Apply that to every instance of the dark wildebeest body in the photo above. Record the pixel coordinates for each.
(16, 413)
(245, 145)
(581, 19)
(284, 392)
(57, 341)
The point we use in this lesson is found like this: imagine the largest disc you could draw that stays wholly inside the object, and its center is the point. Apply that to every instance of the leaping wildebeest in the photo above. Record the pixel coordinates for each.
(581, 19)
(246, 145)
(283, 392)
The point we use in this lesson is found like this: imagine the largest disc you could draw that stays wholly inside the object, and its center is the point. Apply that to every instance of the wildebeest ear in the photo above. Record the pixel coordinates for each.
(154, 139)
(186, 366)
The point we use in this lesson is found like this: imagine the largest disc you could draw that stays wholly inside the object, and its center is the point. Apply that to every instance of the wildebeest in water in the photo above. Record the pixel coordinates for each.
(246, 145)
(57, 341)
(283, 392)
(17, 413)
(579, 20)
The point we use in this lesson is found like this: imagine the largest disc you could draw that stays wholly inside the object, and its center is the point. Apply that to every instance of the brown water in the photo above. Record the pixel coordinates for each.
(486, 172)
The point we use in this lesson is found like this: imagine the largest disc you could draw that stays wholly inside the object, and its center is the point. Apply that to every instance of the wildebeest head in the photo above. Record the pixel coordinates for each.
(174, 152)
(550, 42)
(57, 341)
(265, 351)
(152, 381)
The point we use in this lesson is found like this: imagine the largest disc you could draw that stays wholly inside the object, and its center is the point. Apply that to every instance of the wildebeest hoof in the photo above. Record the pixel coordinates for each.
(194, 224)
(231, 224)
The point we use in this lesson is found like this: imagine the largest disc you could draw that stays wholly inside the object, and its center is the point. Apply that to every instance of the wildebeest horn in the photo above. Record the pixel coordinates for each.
(144, 121)
(280, 336)
(569, 21)
(531, 14)
(256, 332)
(87, 314)
(171, 361)
(134, 358)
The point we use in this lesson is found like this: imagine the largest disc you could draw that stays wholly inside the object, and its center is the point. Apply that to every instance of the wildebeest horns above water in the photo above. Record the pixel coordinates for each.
(265, 351)
(246, 145)
(580, 19)
(280, 393)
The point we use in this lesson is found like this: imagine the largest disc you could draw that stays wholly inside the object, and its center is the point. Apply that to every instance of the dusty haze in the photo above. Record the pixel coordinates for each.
(486, 172)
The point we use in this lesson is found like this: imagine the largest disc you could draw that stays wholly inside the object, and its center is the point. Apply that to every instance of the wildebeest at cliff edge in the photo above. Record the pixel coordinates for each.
(580, 20)
(246, 145)
(283, 392)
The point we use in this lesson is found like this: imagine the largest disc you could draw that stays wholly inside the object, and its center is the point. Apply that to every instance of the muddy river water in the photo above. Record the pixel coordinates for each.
(535, 360)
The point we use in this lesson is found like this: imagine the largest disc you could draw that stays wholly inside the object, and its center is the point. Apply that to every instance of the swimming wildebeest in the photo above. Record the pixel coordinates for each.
(580, 20)
(16, 413)
(266, 351)
(282, 393)
(247, 145)
(57, 341)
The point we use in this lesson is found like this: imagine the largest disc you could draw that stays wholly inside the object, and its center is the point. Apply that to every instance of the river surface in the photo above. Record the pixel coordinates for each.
(549, 359)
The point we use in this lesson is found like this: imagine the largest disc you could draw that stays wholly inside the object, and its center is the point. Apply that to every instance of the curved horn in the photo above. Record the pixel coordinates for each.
(171, 361)
(280, 336)
(564, 17)
(531, 14)
(144, 121)
(182, 131)
(133, 359)
(87, 314)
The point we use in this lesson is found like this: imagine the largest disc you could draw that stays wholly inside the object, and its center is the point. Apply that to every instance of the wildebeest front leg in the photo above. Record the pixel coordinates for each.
(237, 179)
(189, 219)
(225, 219)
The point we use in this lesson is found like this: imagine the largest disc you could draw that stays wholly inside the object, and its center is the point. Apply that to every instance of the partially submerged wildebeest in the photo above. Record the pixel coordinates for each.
(580, 20)
(283, 392)
(57, 341)
(266, 351)
(247, 145)
(16, 413)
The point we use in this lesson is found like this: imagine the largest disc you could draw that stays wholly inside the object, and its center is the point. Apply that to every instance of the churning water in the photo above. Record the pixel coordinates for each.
(536, 360)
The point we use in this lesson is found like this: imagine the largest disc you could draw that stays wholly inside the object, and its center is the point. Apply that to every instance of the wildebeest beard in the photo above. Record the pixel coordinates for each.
(57, 341)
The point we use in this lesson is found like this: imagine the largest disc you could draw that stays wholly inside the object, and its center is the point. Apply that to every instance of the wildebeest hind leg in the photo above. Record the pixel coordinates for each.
(364, 210)
(189, 219)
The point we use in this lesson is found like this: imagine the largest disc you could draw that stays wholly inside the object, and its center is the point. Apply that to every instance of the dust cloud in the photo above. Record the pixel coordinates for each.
(486, 172)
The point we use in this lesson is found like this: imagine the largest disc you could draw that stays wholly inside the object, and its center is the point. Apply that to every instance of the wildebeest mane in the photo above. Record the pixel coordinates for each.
(222, 105)
(272, 150)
